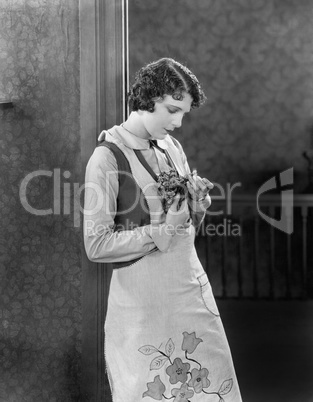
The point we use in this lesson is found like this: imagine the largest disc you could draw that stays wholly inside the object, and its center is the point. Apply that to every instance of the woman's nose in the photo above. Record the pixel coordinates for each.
(177, 121)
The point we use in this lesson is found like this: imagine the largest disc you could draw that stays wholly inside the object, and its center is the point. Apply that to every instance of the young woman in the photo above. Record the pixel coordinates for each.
(163, 334)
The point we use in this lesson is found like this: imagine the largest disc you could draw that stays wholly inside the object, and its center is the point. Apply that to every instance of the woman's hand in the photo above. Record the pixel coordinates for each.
(178, 219)
(198, 187)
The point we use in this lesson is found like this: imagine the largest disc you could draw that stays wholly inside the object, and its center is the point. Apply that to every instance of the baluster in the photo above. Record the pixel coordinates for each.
(272, 255)
(288, 271)
(240, 259)
(224, 263)
(304, 212)
(288, 213)
(256, 256)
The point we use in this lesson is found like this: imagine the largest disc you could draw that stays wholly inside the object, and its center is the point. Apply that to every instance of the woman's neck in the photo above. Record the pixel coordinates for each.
(135, 126)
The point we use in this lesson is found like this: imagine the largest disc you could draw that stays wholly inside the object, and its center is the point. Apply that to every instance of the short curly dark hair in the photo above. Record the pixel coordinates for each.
(163, 77)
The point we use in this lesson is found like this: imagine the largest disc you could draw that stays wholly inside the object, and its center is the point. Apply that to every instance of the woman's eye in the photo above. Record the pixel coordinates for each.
(172, 111)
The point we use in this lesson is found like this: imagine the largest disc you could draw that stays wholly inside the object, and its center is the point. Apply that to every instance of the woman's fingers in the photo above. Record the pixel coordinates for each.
(175, 206)
(175, 200)
(201, 185)
(198, 187)
(198, 183)
(187, 223)
(178, 217)
(208, 184)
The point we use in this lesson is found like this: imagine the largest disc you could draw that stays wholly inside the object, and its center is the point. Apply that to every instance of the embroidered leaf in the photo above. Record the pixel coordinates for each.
(170, 347)
(158, 362)
(148, 350)
(226, 387)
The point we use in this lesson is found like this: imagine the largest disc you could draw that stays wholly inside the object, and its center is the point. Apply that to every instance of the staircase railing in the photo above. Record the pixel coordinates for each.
(259, 248)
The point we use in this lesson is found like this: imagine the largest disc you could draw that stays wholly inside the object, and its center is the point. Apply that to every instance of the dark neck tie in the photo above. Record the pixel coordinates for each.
(154, 143)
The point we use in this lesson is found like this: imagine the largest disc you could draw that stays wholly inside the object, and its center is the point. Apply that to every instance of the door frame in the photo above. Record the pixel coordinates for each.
(103, 87)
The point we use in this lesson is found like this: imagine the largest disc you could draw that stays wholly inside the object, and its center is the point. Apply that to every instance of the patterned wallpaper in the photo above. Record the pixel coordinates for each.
(40, 308)
(254, 60)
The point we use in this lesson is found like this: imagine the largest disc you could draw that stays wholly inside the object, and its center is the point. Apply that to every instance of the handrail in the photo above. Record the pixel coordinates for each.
(268, 199)
(287, 272)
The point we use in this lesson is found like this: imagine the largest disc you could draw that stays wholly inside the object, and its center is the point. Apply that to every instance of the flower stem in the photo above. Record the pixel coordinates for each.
(211, 393)
(192, 359)
(162, 353)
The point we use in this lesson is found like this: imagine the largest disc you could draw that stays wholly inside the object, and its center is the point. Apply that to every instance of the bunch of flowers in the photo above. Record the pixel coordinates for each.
(169, 184)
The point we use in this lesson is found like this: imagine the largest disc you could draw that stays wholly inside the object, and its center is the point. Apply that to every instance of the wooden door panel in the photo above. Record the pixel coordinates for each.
(103, 85)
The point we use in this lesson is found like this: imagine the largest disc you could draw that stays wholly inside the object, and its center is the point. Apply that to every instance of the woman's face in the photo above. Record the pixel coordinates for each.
(167, 115)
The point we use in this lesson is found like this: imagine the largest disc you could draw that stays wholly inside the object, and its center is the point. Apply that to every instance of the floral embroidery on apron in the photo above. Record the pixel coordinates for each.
(178, 371)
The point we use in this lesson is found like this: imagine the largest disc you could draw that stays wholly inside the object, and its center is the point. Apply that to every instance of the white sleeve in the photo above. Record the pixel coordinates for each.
(102, 243)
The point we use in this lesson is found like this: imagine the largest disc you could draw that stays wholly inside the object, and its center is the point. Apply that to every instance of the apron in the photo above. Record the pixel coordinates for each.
(164, 338)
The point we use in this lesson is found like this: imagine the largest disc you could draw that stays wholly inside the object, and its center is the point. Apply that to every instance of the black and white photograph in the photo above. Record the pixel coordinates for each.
(156, 200)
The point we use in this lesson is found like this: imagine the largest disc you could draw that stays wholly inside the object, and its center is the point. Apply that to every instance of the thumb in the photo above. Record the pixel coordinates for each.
(176, 199)
(175, 202)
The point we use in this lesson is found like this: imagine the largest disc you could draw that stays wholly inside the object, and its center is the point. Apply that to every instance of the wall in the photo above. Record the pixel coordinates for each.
(40, 311)
(254, 60)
